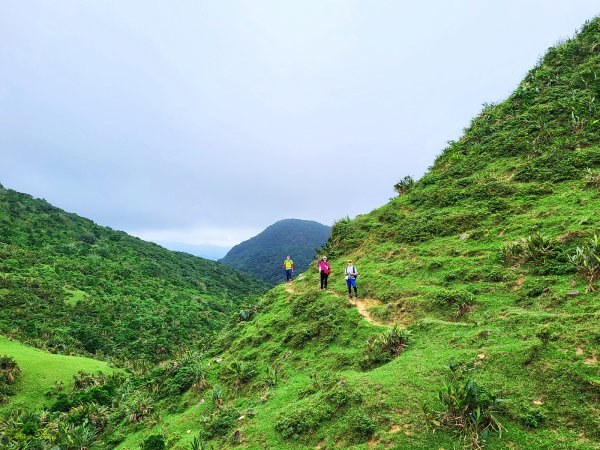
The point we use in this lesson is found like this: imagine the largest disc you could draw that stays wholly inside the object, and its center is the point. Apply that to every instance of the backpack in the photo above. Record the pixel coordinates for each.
(355, 276)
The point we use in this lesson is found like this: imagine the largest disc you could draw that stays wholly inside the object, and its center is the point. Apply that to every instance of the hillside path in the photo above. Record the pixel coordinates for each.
(361, 304)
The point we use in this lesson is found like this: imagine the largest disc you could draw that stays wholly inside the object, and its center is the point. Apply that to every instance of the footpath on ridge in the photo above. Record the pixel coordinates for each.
(361, 304)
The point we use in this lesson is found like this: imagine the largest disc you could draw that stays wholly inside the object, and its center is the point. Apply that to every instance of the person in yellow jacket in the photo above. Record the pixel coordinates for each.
(288, 266)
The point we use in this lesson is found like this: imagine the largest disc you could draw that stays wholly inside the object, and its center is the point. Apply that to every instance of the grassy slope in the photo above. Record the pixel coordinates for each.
(40, 372)
(517, 170)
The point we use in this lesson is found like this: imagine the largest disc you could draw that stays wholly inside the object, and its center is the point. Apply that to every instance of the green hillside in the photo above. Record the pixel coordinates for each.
(477, 324)
(42, 372)
(263, 255)
(69, 285)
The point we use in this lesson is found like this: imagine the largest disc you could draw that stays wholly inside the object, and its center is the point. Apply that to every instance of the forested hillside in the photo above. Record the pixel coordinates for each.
(263, 254)
(476, 326)
(69, 285)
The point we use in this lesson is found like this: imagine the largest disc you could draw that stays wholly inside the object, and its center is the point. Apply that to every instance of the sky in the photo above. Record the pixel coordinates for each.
(196, 124)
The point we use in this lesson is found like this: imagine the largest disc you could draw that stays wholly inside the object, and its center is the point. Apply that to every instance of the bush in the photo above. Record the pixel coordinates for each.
(384, 347)
(531, 417)
(9, 370)
(219, 423)
(536, 248)
(139, 408)
(468, 409)
(304, 419)
(587, 261)
(461, 301)
(361, 425)
(404, 185)
(154, 442)
(242, 372)
(592, 178)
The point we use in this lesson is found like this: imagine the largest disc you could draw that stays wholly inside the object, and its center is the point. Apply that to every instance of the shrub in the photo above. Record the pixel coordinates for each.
(536, 248)
(9, 370)
(361, 425)
(462, 301)
(274, 375)
(587, 261)
(301, 420)
(469, 409)
(592, 178)
(532, 417)
(154, 442)
(81, 436)
(404, 185)
(139, 408)
(217, 396)
(243, 372)
(385, 346)
(219, 423)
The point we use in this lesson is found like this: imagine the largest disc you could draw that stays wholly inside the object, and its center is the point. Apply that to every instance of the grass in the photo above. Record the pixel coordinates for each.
(41, 371)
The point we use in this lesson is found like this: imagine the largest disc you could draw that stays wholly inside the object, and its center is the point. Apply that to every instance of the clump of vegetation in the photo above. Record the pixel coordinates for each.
(587, 261)
(219, 422)
(274, 375)
(329, 396)
(592, 178)
(466, 408)
(404, 185)
(532, 417)
(217, 396)
(9, 372)
(154, 442)
(242, 371)
(199, 444)
(536, 248)
(303, 419)
(385, 346)
(463, 301)
(139, 408)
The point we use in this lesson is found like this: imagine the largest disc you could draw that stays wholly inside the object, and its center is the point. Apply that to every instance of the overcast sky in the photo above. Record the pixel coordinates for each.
(199, 123)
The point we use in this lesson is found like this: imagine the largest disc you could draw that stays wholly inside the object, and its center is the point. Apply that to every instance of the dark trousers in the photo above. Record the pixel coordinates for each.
(288, 274)
(324, 277)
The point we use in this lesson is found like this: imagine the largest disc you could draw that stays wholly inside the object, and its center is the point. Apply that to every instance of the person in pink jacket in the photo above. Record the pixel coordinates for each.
(324, 269)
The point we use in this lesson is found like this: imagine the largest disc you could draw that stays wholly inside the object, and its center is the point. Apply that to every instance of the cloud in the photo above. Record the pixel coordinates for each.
(204, 235)
(204, 122)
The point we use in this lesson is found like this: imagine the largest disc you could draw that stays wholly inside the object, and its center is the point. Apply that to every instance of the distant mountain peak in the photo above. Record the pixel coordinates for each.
(263, 254)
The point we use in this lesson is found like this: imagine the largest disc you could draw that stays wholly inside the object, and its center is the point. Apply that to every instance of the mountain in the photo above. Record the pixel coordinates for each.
(69, 285)
(478, 311)
(263, 255)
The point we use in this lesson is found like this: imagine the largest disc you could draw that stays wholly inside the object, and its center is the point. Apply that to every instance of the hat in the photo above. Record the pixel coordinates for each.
(349, 261)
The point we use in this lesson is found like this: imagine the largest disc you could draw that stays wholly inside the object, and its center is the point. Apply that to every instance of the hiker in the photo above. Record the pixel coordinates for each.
(288, 266)
(351, 274)
(324, 269)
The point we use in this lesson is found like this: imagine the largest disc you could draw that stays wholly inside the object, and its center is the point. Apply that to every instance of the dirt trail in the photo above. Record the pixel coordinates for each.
(361, 304)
